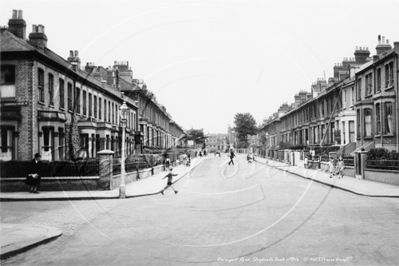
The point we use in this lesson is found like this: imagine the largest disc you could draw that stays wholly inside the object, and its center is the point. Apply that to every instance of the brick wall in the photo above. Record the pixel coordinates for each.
(25, 79)
(18, 184)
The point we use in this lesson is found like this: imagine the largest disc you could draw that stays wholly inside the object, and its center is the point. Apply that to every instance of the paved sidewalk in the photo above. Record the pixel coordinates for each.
(149, 186)
(351, 184)
(17, 238)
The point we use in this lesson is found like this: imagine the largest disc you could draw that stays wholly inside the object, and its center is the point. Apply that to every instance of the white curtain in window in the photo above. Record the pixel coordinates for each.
(6, 154)
(367, 122)
(351, 131)
(389, 123)
(7, 91)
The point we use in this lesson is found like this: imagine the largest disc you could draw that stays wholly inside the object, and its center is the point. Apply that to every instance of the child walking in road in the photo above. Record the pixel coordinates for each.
(170, 177)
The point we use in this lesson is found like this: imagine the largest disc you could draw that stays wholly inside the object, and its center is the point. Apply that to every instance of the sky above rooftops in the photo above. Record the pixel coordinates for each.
(208, 60)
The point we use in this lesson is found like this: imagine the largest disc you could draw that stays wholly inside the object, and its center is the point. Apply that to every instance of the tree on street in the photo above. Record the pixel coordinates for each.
(245, 125)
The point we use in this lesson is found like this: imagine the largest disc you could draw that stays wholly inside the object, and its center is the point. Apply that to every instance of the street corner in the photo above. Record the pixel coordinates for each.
(17, 238)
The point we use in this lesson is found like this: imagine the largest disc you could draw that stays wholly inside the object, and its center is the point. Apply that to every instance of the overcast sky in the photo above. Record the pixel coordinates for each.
(208, 60)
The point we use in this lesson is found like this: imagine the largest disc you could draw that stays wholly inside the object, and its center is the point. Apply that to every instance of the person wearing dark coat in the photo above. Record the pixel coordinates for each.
(34, 178)
(232, 155)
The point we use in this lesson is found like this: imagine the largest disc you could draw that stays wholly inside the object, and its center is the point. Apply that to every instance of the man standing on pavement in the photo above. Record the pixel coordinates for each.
(34, 176)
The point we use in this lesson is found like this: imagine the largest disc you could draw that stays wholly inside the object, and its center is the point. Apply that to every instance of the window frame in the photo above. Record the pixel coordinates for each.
(378, 130)
(8, 75)
(77, 99)
(61, 88)
(95, 106)
(70, 96)
(386, 120)
(377, 88)
(51, 89)
(367, 112)
(99, 108)
(40, 85)
(369, 84)
(359, 89)
(90, 105)
(84, 103)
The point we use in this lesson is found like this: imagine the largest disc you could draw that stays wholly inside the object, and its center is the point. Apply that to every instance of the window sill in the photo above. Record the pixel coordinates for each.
(62, 109)
(368, 138)
(368, 96)
(388, 135)
(51, 106)
(8, 99)
(40, 103)
(389, 87)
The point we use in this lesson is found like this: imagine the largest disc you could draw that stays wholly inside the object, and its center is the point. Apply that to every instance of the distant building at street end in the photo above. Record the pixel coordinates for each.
(217, 142)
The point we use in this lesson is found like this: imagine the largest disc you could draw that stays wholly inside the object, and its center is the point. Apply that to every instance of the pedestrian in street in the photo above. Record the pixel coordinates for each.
(231, 157)
(331, 167)
(200, 153)
(249, 158)
(306, 162)
(313, 154)
(170, 176)
(34, 177)
(184, 160)
(340, 167)
(167, 163)
(188, 159)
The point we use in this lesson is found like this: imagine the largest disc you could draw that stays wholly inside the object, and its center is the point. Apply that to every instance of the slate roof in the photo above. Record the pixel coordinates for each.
(11, 43)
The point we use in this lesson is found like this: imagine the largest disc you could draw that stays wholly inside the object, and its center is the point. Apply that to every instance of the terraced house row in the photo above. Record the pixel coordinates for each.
(356, 109)
(44, 97)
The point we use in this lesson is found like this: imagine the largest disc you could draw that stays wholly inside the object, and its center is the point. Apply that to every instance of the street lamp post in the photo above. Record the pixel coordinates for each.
(124, 110)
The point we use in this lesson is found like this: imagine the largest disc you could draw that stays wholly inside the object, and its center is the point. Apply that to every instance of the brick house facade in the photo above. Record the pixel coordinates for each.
(42, 94)
(357, 106)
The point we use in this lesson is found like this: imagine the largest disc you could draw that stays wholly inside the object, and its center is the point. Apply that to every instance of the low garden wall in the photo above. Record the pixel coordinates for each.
(14, 184)
(382, 176)
(93, 174)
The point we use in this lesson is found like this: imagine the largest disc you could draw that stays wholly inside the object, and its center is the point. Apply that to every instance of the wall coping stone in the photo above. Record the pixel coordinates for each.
(51, 178)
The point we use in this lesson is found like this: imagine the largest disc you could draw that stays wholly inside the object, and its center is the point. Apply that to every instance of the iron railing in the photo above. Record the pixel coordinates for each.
(382, 164)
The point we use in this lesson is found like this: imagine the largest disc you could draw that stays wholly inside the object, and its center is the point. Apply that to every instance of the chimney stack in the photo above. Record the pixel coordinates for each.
(37, 37)
(74, 60)
(382, 46)
(16, 25)
(361, 55)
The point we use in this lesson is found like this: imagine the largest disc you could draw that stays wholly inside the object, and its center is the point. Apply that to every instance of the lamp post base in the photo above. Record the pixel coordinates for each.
(122, 192)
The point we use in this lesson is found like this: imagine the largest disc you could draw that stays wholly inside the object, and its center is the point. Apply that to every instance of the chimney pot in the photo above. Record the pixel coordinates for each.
(14, 13)
(33, 28)
(70, 53)
(20, 14)
(387, 41)
(76, 53)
